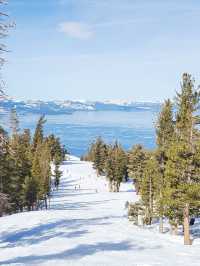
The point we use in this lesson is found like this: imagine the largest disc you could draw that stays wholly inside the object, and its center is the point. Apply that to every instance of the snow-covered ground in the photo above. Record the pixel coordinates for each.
(88, 226)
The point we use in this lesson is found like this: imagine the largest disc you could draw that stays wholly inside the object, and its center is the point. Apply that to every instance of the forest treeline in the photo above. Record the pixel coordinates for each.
(167, 179)
(25, 161)
(25, 167)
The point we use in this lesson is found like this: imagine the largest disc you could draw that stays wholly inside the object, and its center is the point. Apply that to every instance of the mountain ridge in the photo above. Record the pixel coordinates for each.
(69, 106)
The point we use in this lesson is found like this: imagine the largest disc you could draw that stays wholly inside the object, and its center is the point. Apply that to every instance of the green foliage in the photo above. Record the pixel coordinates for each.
(30, 191)
(4, 204)
(165, 126)
(136, 163)
(116, 166)
(110, 160)
(182, 168)
(25, 171)
(165, 129)
(57, 151)
(25, 166)
(57, 175)
(39, 134)
(149, 185)
(98, 153)
(168, 180)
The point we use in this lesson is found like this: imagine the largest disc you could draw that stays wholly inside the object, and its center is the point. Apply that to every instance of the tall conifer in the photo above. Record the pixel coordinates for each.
(164, 136)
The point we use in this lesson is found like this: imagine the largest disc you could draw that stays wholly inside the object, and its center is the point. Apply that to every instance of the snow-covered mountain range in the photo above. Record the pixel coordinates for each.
(69, 106)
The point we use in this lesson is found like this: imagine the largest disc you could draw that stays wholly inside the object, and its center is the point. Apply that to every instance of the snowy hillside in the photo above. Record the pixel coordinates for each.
(87, 226)
(68, 107)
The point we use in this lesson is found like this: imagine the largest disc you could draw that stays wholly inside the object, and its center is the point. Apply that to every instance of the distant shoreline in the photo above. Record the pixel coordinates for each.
(69, 107)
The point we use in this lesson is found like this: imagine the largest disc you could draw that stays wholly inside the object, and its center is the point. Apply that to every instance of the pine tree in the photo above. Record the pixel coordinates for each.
(173, 197)
(116, 167)
(164, 136)
(57, 151)
(25, 173)
(182, 171)
(99, 154)
(21, 167)
(39, 135)
(148, 189)
(45, 179)
(4, 204)
(3, 157)
(57, 175)
(36, 176)
(4, 149)
(30, 190)
(120, 161)
(110, 170)
(136, 163)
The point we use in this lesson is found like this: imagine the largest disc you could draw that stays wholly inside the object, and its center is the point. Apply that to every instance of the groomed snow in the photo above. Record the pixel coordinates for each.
(86, 227)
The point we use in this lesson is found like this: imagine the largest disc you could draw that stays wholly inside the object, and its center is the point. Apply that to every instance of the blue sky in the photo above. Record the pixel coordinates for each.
(101, 49)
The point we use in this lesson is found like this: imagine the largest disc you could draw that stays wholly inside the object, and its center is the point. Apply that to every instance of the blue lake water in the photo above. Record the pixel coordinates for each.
(79, 129)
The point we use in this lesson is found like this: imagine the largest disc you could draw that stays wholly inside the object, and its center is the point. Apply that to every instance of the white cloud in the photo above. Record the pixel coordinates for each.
(76, 29)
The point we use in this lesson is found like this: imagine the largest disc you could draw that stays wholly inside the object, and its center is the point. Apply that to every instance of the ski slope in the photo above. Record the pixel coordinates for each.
(87, 226)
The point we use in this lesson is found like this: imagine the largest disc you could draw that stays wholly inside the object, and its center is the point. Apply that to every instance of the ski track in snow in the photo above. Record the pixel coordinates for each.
(86, 227)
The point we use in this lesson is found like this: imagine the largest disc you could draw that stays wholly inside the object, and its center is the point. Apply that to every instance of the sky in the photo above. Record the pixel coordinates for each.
(101, 49)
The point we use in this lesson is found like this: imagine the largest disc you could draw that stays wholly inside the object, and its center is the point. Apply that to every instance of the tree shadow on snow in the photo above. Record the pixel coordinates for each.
(65, 228)
(78, 252)
(72, 162)
(86, 205)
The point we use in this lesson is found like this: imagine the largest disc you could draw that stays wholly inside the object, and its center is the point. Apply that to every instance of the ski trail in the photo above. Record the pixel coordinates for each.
(85, 226)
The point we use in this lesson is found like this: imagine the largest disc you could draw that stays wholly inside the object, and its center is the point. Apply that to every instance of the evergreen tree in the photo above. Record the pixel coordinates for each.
(21, 167)
(110, 169)
(164, 136)
(4, 151)
(149, 189)
(98, 153)
(120, 163)
(57, 175)
(136, 164)
(25, 165)
(57, 151)
(39, 134)
(45, 178)
(116, 167)
(3, 157)
(36, 176)
(182, 169)
(30, 190)
(4, 204)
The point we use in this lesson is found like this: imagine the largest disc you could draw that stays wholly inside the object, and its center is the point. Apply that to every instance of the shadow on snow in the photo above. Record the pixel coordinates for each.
(79, 251)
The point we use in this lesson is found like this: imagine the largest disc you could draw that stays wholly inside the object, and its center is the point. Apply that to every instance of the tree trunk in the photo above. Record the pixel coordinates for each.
(118, 187)
(45, 200)
(161, 225)
(186, 222)
(150, 202)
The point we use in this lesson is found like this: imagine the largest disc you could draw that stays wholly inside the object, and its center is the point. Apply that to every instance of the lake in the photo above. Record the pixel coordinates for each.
(79, 129)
